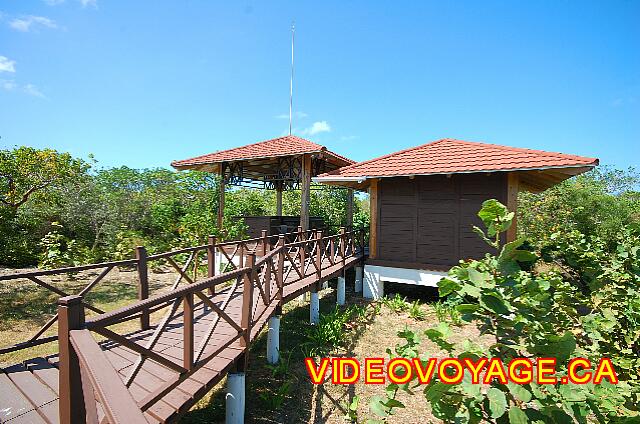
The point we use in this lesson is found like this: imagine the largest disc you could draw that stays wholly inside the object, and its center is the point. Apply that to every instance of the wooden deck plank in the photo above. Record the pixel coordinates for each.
(13, 402)
(44, 371)
(39, 377)
(31, 417)
(38, 392)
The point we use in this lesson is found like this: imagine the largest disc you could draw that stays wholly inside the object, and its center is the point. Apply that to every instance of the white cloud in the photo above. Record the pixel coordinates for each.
(26, 23)
(348, 137)
(32, 90)
(7, 65)
(8, 85)
(296, 115)
(86, 3)
(317, 128)
(53, 2)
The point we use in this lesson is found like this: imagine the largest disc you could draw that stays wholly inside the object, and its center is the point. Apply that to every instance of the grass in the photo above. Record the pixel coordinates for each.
(283, 393)
(280, 393)
(25, 307)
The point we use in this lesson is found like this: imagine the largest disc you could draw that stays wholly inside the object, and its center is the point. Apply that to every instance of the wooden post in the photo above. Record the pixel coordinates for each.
(305, 192)
(279, 198)
(512, 204)
(187, 332)
(280, 271)
(240, 255)
(332, 250)
(350, 209)
(265, 242)
(247, 309)
(318, 253)
(373, 212)
(343, 242)
(221, 198)
(267, 279)
(71, 404)
(211, 261)
(143, 284)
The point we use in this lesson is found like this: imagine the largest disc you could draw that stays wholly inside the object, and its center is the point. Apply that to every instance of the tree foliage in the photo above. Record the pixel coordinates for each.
(59, 210)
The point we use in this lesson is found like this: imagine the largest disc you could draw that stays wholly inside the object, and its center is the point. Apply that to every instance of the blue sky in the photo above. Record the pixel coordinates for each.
(141, 83)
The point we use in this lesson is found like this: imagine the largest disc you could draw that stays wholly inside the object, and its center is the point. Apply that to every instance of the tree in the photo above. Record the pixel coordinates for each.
(25, 171)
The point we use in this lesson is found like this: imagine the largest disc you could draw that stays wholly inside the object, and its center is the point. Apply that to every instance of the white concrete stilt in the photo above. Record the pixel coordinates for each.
(273, 340)
(358, 285)
(314, 308)
(341, 291)
(372, 288)
(235, 400)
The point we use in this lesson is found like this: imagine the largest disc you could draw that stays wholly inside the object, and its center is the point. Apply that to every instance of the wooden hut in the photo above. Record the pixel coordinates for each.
(424, 202)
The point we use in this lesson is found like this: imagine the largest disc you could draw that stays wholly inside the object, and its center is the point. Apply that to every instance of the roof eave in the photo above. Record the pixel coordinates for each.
(336, 178)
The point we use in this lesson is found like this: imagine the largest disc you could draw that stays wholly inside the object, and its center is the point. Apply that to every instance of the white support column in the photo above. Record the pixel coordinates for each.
(373, 288)
(314, 308)
(235, 400)
(273, 340)
(358, 285)
(340, 298)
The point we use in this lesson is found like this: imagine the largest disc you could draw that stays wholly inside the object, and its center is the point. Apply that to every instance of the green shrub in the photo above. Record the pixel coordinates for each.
(539, 313)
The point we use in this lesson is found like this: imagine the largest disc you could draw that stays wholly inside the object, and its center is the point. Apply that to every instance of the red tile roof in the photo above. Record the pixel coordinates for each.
(282, 146)
(448, 156)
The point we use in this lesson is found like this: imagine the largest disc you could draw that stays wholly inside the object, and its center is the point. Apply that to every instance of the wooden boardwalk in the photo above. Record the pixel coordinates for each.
(157, 373)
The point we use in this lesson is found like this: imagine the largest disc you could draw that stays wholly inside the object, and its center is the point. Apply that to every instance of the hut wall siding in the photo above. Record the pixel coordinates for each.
(430, 219)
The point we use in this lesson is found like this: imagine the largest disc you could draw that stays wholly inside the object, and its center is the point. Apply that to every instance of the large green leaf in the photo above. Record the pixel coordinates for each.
(517, 416)
(377, 406)
(435, 391)
(447, 286)
(519, 392)
(497, 402)
(493, 302)
(560, 347)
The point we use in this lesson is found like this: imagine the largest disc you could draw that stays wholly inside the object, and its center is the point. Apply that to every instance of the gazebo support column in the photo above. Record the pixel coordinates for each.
(512, 204)
(279, 199)
(221, 198)
(350, 208)
(305, 192)
(358, 283)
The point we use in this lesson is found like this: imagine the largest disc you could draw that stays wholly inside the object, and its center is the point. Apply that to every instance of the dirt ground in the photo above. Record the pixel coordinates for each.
(25, 307)
(327, 403)
(274, 395)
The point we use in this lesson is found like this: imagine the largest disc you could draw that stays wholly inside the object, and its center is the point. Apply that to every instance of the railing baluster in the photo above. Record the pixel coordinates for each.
(267, 280)
(143, 283)
(280, 271)
(187, 332)
(71, 407)
(211, 261)
(319, 251)
(342, 245)
(247, 309)
(265, 243)
(241, 254)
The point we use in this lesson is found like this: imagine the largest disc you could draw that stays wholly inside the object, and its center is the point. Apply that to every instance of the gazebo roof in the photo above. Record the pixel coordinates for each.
(538, 169)
(264, 153)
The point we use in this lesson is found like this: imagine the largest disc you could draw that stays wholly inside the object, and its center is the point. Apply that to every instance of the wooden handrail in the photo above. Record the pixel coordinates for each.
(84, 367)
(116, 400)
(110, 318)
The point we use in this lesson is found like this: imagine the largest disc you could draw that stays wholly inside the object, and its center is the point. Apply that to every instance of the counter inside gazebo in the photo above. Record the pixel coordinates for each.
(284, 163)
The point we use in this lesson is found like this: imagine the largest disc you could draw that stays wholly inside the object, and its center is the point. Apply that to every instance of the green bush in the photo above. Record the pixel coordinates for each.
(540, 312)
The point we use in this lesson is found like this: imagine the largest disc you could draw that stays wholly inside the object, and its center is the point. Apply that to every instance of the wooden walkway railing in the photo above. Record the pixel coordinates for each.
(189, 336)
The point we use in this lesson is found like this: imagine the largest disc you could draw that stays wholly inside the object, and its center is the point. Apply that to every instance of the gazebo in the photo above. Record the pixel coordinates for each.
(284, 163)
